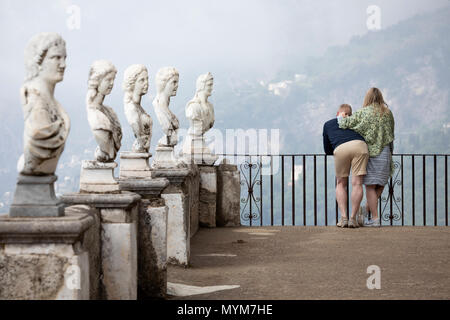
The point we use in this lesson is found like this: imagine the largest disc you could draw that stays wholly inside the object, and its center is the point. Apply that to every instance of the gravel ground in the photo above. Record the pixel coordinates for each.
(318, 263)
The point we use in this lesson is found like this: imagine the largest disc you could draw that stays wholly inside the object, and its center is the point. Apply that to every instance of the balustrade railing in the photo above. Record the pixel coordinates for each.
(298, 189)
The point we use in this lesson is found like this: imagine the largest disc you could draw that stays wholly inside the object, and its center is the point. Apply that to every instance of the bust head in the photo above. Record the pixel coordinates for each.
(101, 76)
(45, 57)
(167, 81)
(205, 83)
(135, 79)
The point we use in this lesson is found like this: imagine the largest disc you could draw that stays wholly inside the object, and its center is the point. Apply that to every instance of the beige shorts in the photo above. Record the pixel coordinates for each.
(352, 154)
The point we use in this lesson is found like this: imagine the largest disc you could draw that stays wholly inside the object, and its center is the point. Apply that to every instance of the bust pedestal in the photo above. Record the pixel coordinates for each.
(182, 205)
(164, 157)
(118, 215)
(152, 239)
(46, 258)
(35, 197)
(134, 165)
(98, 177)
(195, 150)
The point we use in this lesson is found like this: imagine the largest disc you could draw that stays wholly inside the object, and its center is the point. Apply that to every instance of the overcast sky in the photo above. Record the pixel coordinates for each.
(195, 34)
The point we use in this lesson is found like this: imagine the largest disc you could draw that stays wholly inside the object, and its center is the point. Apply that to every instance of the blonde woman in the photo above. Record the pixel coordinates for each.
(375, 122)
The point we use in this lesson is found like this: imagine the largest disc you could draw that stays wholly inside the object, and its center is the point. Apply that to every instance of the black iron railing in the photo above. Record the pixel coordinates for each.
(298, 189)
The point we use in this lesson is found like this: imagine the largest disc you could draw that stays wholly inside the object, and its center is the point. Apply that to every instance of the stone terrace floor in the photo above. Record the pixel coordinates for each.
(318, 263)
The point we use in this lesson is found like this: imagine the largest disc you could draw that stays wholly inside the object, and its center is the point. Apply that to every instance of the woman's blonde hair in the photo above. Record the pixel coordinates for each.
(375, 98)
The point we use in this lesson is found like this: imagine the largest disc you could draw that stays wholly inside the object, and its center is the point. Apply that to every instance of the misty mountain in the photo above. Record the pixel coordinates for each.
(408, 62)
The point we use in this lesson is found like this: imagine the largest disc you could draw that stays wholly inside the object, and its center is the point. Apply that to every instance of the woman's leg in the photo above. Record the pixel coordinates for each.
(372, 200)
(379, 190)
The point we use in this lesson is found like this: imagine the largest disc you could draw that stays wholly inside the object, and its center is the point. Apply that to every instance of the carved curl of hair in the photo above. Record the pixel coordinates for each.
(130, 76)
(202, 80)
(36, 50)
(163, 76)
(99, 70)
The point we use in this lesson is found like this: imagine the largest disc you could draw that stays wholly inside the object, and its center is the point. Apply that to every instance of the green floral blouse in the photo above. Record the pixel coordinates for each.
(378, 131)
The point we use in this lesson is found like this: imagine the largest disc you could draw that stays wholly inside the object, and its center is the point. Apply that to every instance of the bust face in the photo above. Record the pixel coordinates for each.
(54, 63)
(208, 88)
(172, 86)
(106, 85)
(141, 85)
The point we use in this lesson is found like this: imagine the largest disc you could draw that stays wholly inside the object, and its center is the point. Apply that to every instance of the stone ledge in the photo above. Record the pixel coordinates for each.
(67, 229)
(134, 155)
(144, 186)
(94, 164)
(227, 167)
(207, 168)
(175, 176)
(119, 200)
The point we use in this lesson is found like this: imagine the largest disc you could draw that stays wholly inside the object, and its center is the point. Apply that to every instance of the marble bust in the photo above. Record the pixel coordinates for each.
(47, 124)
(46, 129)
(199, 110)
(166, 87)
(102, 119)
(200, 113)
(135, 85)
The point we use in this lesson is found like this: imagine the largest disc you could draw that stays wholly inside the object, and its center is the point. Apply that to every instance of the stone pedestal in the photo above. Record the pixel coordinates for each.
(208, 194)
(35, 197)
(176, 197)
(164, 158)
(152, 236)
(98, 177)
(118, 216)
(43, 258)
(134, 165)
(195, 150)
(228, 196)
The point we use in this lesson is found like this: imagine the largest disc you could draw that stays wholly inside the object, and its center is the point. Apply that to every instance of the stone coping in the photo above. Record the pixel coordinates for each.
(102, 200)
(174, 175)
(26, 230)
(93, 164)
(227, 167)
(134, 155)
(46, 179)
(143, 186)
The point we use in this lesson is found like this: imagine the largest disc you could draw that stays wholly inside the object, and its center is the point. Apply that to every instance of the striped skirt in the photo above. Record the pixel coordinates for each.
(379, 168)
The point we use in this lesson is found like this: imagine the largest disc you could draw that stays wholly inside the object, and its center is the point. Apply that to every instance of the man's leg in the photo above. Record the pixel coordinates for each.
(341, 195)
(357, 194)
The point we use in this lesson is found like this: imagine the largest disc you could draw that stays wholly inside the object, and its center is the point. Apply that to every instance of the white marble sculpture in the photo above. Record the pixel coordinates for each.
(166, 87)
(98, 175)
(134, 164)
(47, 124)
(200, 113)
(102, 119)
(47, 127)
(135, 85)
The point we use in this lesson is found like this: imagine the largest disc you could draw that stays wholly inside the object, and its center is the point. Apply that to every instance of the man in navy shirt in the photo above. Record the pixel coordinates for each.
(350, 151)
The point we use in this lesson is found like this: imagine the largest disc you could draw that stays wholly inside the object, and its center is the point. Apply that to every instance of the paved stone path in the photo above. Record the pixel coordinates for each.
(318, 263)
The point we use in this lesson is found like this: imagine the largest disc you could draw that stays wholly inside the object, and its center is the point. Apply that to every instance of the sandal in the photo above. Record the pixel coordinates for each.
(343, 222)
